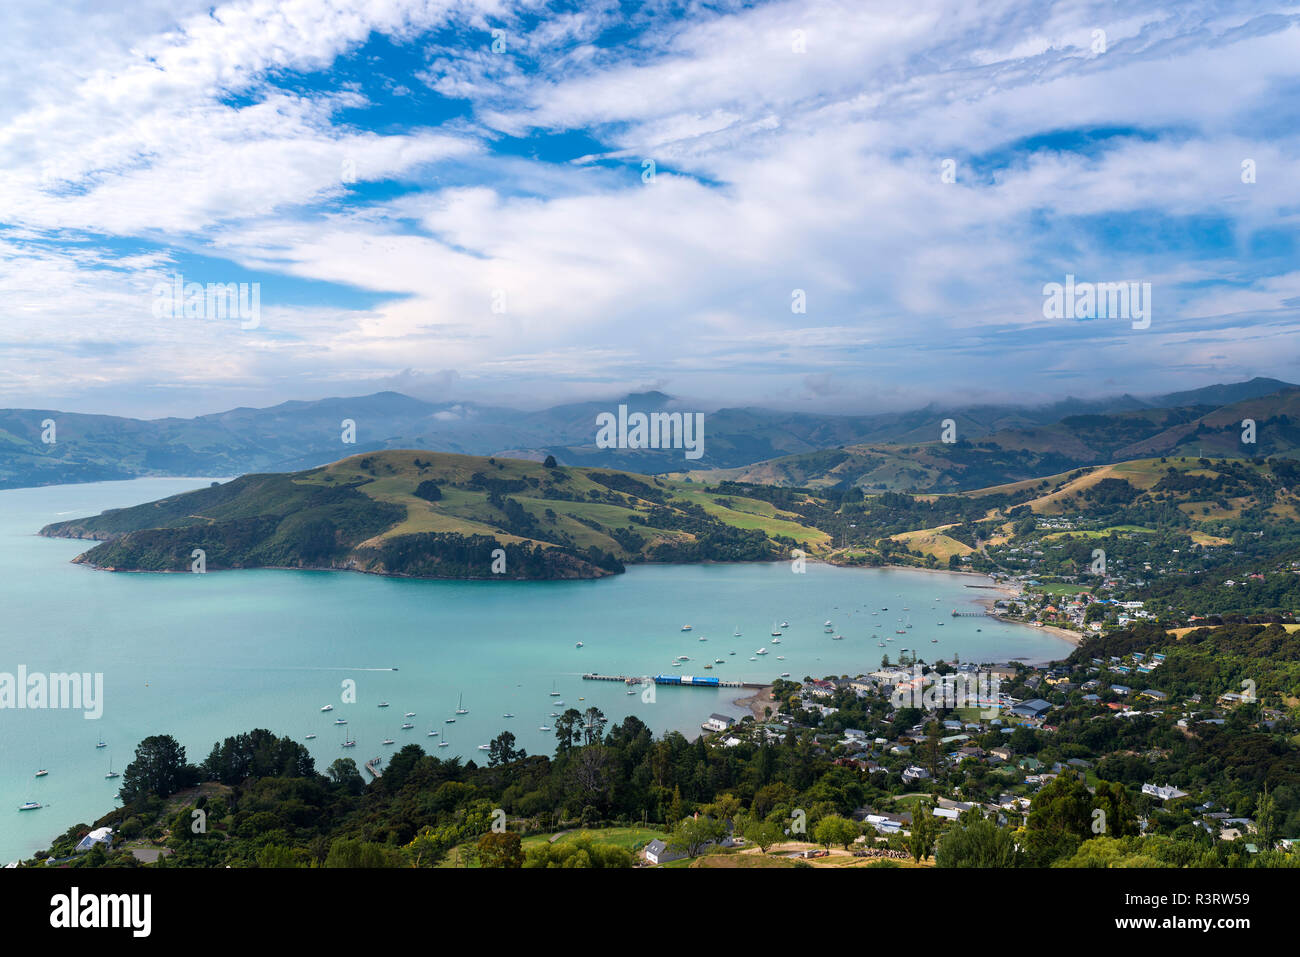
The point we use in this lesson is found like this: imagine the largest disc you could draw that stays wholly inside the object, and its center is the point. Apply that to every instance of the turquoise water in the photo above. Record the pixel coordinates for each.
(201, 657)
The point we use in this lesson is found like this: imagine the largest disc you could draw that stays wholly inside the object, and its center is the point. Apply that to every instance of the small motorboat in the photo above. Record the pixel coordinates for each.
(41, 773)
(761, 651)
(328, 707)
(547, 727)
(383, 704)
(312, 736)
(483, 747)
(389, 741)
(29, 806)
(578, 645)
(340, 721)
(686, 627)
(410, 714)
(407, 726)
(507, 715)
(432, 734)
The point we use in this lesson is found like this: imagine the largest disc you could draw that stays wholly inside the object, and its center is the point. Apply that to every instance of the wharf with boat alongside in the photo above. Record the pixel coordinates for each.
(693, 681)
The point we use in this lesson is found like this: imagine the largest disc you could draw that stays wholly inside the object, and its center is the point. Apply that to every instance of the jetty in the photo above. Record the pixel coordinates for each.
(692, 681)
(971, 614)
(373, 767)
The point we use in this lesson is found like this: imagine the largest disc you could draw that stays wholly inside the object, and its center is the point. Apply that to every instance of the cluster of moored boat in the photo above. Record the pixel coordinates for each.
(828, 627)
(407, 725)
(32, 805)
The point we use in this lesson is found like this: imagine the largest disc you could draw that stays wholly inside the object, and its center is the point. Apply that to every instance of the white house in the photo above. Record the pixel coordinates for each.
(718, 722)
(1165, 792)
(100, 835)
(656, 852)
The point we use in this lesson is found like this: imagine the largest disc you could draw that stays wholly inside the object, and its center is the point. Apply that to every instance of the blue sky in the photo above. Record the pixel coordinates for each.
(450, 198)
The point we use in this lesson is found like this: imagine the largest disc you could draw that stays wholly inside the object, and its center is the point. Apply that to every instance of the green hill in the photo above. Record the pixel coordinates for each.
(437, 515)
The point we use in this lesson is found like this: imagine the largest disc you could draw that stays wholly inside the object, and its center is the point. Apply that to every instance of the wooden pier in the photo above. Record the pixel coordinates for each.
(373, 767)
(636, 680)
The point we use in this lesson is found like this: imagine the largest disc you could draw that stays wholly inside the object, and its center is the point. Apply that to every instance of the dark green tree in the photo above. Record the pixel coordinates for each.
(159, 769)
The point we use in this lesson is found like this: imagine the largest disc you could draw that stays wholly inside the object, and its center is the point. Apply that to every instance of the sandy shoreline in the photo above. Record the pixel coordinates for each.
(757, 702)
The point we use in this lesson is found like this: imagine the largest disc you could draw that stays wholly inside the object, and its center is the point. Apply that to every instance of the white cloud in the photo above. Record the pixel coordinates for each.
(776, 170)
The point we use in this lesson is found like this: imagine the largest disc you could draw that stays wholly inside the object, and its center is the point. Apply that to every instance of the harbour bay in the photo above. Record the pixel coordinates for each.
(205, 656)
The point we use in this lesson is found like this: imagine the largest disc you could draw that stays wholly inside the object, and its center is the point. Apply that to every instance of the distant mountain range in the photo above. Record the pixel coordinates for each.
(1028, 451)
(888, 450)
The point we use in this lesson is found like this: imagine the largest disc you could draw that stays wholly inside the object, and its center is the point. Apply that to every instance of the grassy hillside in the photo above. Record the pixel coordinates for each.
(438, 515)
